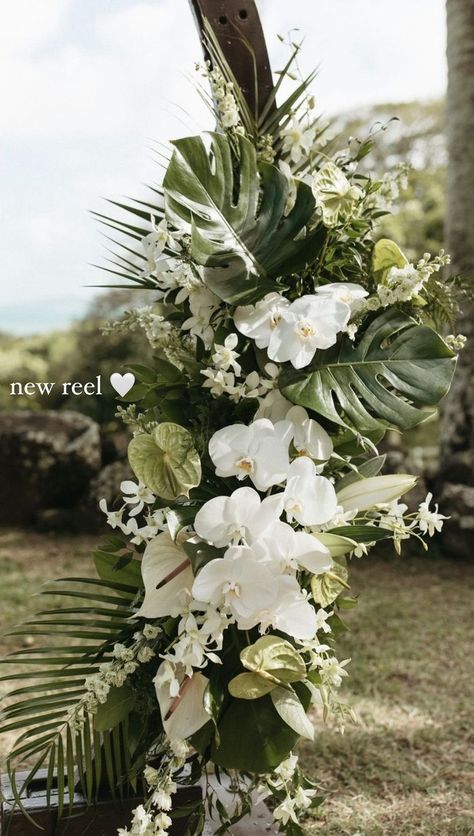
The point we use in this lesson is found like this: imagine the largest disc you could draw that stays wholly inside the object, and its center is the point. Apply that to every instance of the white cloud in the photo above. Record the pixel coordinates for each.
(86, 87)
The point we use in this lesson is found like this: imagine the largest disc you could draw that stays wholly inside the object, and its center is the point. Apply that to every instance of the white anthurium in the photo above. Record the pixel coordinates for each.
(167, 574)
(241, 517)
(310, 438)
(292, 550)
(348, 292)
(238, 582)
(310, 323)
(308, 498)
(292, 613)
(260, 320)
(184, 714)
(259, 451)
(376, 490)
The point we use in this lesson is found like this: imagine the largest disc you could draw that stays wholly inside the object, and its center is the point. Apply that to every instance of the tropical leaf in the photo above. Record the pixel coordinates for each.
(397, 369)
(236, 217)
(51, 734)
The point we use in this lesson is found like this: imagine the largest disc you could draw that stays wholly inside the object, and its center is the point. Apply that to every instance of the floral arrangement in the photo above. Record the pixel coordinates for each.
(289, 337)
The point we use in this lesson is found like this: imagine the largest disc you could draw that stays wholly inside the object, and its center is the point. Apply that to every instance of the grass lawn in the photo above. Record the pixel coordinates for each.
(407, 768)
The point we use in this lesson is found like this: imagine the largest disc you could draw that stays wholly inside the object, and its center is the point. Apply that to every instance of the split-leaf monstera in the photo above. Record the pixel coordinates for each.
(397, 368)
(234, 211)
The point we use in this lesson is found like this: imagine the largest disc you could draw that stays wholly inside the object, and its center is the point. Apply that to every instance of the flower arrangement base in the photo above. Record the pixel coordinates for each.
(102, 819)
(260, 822)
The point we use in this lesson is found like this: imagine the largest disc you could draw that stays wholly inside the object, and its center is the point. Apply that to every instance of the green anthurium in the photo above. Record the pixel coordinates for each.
(166, 461)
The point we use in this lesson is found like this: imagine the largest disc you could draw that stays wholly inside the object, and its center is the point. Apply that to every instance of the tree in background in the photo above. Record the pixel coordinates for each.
(457, 472)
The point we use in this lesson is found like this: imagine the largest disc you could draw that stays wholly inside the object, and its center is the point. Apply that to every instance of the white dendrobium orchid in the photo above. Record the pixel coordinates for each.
(297, 140)
(377, 490)
(225, 357)
(429, 521)
(136, 494)
(260, 320)
(310, 322)
(238, 582)
(259, 451)
(347, 292)
(308, 498)
(310, 439)
(289, 549)
(184, 714)
(335, 195)
(166, 573)
(240, 518)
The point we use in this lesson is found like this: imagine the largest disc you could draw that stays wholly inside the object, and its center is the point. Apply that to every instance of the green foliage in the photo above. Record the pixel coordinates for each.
(397, 368)
(236, 218)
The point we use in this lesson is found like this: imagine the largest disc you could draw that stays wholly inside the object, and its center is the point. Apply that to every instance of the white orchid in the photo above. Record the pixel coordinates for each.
(225, 357)
(308, 498)
(310, 322)
(348, 292)
(289, 550)
(259, 451)
(274, 406)
(291, 612)
(309, 438)
(429, 521)
(297, 140)
(260, 320)
(239, 583)
(240, 518)
(137, 495)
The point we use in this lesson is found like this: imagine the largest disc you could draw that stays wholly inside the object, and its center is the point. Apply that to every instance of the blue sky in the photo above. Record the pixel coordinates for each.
(86, 87)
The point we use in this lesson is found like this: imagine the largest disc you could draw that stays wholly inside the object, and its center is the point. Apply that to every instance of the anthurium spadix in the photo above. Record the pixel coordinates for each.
(377, 490)
(184, 714)
(167, 574)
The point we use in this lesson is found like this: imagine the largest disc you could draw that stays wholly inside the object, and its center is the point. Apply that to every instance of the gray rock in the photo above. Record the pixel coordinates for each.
(47, 460)
(458, 468)
(457, 502)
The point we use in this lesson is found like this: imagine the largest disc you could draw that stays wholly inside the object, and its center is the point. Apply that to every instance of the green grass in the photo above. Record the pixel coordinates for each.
(407, 767)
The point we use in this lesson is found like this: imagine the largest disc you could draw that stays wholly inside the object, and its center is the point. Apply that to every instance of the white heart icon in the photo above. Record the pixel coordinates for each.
(122, 383)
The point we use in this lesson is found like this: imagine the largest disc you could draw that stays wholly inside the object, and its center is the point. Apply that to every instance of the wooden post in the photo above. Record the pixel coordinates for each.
(238, 29)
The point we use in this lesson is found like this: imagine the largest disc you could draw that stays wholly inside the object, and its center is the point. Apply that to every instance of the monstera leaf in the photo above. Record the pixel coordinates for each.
(397, 368)
(236, 216)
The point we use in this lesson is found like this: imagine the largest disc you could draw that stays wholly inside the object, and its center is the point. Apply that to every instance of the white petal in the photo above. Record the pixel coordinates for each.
(162, 558)
(183, 715)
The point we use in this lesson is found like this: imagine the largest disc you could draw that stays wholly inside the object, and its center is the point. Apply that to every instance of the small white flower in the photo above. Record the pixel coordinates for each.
(297, 140)
(114, 518)
(225, 357)
(286, 811)
(429, 521)
(137, 495)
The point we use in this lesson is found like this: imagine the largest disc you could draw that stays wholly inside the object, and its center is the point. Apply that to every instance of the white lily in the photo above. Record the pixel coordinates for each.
(184, 714)
(377, 490)
(308, 498)
(260, 320)
(310, 322)
(167, 574)
(238, 582)
(241, 517)
(259, 451)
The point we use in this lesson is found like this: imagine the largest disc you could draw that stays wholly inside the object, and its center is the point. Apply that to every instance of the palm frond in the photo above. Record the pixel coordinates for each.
(55, 730)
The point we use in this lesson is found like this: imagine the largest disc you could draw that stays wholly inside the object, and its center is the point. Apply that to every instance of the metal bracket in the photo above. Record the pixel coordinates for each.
(238, 29)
